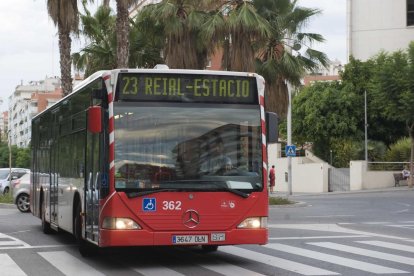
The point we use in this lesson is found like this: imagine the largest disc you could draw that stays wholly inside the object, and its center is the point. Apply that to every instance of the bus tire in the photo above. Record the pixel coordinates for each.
(85, 248)
(45, 225)
(209, 248)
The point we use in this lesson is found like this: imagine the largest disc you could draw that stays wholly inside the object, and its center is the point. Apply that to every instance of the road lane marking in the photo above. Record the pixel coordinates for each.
(228, 269)
(377, 222)
(156, 270)
(319, 237)
(365, 252)
(68, 264)
(328, 227)
(9, 267)
(406, 226)
(359, 265)
(390, 245)
(330, 216)
(275, 261)
(10, 242)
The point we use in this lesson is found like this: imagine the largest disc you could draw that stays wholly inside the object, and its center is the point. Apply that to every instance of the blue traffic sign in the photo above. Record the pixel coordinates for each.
(149, 204)
(290, 150)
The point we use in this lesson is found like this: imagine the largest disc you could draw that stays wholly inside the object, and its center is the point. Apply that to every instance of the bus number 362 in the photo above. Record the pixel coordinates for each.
(171, 205)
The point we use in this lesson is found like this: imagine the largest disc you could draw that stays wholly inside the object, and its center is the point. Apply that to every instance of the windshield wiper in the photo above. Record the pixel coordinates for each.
(236, 192)
(197, 189)
(143, 193)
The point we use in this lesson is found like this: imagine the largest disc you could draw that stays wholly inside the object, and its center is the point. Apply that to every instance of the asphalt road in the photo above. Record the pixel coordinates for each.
(330, 234)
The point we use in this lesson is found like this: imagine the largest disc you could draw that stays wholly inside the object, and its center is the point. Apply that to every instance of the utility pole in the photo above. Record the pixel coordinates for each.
(366, 126)
(289, 137)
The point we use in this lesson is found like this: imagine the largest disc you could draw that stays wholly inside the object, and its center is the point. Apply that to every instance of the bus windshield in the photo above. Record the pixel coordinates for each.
(202, 147)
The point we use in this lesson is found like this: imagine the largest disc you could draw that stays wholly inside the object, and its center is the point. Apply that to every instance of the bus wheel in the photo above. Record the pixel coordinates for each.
(85, 249)
(45, 225)
(209, 248)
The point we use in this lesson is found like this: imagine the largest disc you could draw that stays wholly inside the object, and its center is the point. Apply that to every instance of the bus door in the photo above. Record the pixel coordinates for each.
(92, 179)
(54, 169)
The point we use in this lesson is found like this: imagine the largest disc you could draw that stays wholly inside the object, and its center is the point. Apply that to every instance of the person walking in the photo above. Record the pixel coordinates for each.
(272, 177)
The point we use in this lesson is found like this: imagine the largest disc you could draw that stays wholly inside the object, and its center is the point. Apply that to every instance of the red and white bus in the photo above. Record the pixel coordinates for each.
(133, 157)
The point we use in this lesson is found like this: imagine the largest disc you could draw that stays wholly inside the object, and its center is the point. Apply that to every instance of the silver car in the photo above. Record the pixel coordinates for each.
(21, 192)
(5, 178)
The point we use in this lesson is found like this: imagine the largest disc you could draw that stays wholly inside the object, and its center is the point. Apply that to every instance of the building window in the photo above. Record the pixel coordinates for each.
(410, 12)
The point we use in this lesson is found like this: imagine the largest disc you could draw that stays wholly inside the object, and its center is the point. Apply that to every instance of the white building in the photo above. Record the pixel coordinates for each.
(375, 25)
(21, 111)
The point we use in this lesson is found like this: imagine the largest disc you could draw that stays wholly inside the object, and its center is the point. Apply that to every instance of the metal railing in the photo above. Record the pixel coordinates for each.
(387, 166)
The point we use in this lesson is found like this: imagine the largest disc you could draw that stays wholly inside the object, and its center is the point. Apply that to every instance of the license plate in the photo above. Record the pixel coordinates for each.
(189, 239)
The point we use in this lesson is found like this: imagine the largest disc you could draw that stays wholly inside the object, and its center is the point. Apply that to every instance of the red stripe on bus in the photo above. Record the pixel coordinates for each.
(264, 153)
(111, 152)
(263, 127)
(111, 124)
(111, 180)
(110, 97)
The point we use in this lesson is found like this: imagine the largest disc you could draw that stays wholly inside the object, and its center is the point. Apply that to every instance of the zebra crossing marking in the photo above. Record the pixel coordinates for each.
(156, 271)
(390, 245)
(10, 242)
(68, 264)
(364, 266)
(319, 237)
(9, 267)
(228, 269)
(365, 252)
(275, 261)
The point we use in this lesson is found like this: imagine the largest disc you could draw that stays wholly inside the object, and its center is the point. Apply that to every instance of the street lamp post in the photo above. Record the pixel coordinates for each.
(289, 136)
(330, 151)
(366, 126)
(10, 157)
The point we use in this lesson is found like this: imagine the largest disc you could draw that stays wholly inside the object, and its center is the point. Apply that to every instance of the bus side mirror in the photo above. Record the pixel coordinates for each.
(272, 127)
(95, 119)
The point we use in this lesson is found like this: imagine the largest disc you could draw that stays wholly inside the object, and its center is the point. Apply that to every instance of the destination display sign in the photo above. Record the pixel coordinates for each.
(197, 88)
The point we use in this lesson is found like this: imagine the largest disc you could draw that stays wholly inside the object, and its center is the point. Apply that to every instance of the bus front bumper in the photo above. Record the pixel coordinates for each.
(110, 238)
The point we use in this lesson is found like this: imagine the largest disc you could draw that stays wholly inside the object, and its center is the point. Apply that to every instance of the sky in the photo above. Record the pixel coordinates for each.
(29, 43)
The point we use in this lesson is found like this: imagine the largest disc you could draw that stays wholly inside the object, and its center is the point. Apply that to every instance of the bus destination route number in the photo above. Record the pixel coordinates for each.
(189, 239)
(187, 88)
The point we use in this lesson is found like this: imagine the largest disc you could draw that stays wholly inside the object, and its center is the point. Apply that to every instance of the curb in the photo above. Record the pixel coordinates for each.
(384, 190)
(295, 204)
(7, 206)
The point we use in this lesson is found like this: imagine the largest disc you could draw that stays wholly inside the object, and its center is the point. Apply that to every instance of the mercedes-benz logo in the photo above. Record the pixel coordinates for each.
(191, 218)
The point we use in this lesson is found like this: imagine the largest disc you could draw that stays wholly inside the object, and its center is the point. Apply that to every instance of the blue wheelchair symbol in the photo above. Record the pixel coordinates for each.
(149, 205)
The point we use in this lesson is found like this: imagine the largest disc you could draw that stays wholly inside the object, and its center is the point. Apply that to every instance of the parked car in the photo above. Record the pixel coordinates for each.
(5, 178)
(21, 192)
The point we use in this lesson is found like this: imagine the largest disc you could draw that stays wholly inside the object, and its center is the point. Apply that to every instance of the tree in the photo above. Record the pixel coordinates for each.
(286, 54)
(236, 26)
(179, 26)
(122, 32)
(100, 52)
(323, 114)
(395, 84)
(64, 14)
(359, 78)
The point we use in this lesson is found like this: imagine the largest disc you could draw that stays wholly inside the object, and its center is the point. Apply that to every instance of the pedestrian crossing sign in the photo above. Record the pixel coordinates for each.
(290, 150)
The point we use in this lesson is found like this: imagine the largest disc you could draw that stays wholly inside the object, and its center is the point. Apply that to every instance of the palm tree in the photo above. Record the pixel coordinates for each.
(237, 26)
(122, 32)
(100, 53)
(64, 14)
(180, 22)
(286, 54)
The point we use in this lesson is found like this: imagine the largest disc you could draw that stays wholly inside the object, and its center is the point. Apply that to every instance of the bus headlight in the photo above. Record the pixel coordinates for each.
(120, 224)
(253, 223)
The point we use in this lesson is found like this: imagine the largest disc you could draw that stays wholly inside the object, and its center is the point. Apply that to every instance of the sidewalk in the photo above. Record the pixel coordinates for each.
(382, 190)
